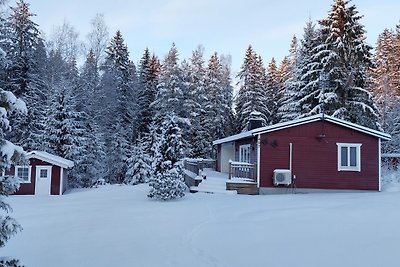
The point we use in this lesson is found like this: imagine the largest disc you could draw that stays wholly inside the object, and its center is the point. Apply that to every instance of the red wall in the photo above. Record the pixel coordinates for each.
(315, 159)
(29, 188)
(24, 188)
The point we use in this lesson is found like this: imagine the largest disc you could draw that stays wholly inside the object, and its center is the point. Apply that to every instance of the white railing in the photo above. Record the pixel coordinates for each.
(242, 170)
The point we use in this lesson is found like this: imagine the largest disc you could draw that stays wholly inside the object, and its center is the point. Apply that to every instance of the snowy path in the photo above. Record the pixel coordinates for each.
(215, 182)
(120, 226)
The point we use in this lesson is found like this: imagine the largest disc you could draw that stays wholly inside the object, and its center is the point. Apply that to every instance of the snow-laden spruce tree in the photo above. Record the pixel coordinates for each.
(301, 87)
(168, 181)
(342, 59)
(252, 95)
(148, 71)
(64, 131)
(170, 97)
(194, 76)
(116, 108)
(219, 99)
(139, 169)
(25, 75)
(288, 82)
(273, 90)
(9, 153)
(385, 86)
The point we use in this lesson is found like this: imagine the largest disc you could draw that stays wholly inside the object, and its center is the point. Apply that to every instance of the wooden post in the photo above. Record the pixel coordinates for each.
(230, 170)
(255, 172)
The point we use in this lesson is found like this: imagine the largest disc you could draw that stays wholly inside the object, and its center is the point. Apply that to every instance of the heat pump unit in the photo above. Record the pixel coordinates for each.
(282, 177)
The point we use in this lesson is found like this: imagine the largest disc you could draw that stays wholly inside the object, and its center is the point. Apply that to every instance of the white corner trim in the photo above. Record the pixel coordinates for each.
(61, 181)
(356, 168)
(379, 165)
(258, 159)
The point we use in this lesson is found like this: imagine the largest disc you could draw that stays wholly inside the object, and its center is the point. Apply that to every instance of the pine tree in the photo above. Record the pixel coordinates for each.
(167, 182)
(252, 95)
(91, 165)
(227, 94)
(170, 87)
(117, 106)
(89, 81)
(197, 136)
(25, 52)
(273, 91)
(287, 76)
(342, 59)
(148, 78)
(303, 84)
(385, 84)
(65, 131)
(170, 95)
(217, 121)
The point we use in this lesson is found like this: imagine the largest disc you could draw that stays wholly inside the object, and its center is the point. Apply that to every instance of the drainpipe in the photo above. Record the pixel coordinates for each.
(258, 160)
(379, 164)
(291, 159)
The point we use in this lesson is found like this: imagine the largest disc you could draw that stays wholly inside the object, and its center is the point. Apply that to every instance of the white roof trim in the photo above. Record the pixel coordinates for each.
(233, 138)
(50, 158)
(289, 124)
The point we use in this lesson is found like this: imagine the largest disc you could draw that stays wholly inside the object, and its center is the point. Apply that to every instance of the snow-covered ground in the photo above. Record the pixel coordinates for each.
(120, 226)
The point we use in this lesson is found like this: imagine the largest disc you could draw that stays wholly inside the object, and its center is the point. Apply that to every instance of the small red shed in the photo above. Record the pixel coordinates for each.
(46, 174)
(314, 153)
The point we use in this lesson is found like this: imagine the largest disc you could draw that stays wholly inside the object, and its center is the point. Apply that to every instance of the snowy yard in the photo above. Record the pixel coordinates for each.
(120, 226)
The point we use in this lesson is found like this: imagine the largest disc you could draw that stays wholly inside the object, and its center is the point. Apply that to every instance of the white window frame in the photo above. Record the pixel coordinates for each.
(356, 168)
(29, 174)
(244, 148)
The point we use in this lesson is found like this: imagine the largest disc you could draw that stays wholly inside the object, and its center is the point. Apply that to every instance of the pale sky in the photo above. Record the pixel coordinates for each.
(225, 26)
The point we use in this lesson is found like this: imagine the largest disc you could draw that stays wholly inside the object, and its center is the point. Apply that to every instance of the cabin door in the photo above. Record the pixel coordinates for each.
(43, 180)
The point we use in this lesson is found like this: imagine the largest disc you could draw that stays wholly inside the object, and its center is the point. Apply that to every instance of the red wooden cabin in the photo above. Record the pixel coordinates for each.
(315, 153)
(46, 174)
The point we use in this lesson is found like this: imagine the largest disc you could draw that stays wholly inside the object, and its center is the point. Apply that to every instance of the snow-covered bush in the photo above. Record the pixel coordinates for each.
(139, 170)
(390, 177)
(168, 182)
(8, 226)
(7, 262)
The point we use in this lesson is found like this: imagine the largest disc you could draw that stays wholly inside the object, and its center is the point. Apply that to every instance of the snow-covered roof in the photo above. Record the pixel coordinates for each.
(50, 158)
(288, 124)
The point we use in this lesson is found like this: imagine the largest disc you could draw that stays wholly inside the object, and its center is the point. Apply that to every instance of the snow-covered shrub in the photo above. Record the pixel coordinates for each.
(139, 170)
(8, 226)
(99, 182)
(390, 177)
(7, 262)
(168, 182)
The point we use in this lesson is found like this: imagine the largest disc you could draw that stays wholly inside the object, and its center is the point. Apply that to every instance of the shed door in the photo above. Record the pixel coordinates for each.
(43, 180)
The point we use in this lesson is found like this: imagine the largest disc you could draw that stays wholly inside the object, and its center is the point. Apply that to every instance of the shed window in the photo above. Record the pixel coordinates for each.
(349, 157)
(43, 173)
(244, 153)
(22, 172)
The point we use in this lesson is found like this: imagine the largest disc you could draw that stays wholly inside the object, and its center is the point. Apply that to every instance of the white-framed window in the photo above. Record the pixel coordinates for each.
(23, 173)
(244, 153)
(43, 174)
(349, 157)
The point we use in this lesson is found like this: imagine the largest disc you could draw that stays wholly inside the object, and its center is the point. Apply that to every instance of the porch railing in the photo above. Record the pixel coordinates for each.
(243, 171)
